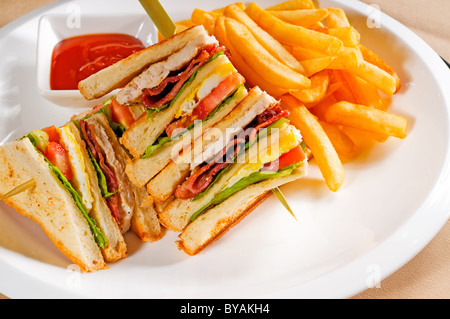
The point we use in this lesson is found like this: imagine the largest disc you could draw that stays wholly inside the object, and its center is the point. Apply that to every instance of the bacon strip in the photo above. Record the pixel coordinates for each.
(204, 176)
(179, 79)
(111, 181)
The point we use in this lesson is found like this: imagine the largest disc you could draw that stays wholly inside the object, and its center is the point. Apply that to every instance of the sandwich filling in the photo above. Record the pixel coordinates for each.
(279, 159)
(203, 175)
(48, 142)
(201, 101)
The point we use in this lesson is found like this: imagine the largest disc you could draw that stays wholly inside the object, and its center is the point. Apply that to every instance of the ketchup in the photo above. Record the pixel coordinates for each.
(74, 59)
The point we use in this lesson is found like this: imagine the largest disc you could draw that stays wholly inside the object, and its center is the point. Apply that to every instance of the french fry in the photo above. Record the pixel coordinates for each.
(294, 35)
(293, 5)
(346, 59)
(317, 141)
(348, 35)
(367, 119)
(304, 18)
(320, 108)
(205, 18)
(302, 54)
(343, 144)
(363, 92)
(337, 18)
(358, 91)
(265, 39)
(251, 76)
(318, 89)
(376, 76)
(316, 65)
(261, 61)
(374, 59)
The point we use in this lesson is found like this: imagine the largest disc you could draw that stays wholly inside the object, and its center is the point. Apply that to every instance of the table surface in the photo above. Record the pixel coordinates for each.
(426, 275)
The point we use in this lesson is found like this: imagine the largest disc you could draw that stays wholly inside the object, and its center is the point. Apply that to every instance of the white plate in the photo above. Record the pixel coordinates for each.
(393, 203)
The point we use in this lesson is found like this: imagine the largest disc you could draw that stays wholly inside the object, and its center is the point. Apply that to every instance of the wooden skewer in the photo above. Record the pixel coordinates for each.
(19, 189)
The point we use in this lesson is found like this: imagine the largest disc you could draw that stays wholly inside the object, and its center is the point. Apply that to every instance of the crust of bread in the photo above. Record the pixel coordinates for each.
(213, 223)
(48, 204)
(120, 73)
(144, 220)
(193, 247)
(116, 248)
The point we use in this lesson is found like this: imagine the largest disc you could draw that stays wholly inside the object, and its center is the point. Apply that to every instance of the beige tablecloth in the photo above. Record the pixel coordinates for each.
(426, 275)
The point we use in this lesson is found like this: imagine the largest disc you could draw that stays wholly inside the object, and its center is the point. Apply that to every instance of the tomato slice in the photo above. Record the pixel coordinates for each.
(121, 114)
(59, 157)
(53, 134)
(217, 95)
(209, 103)
(292, 157)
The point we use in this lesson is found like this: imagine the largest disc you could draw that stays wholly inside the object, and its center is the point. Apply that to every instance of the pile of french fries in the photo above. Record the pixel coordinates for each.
(335, 89)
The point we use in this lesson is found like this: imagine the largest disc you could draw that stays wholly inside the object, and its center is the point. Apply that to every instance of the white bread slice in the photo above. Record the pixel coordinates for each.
(120, 73)
(213, 223)
(116, 248)
(146, 218)
(177, 213)
(49, 204)
(146, 130)
(164, 184)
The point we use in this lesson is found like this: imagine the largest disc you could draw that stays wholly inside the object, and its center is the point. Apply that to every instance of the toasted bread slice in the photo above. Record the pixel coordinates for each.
(131, 196)
(213, 223)
(84, 172)
(120, 73)
(49, 204)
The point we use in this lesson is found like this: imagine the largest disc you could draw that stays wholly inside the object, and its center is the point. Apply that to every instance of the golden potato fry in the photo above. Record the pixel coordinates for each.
(316, 65)
(363, 92)
(374, 59)
(302, 54)
(318, 89)
(367, 119)
(343, 144)
(293, 5)
(320, 108)
(337, 18)
(205, 18)
(317, 141)
(294, 35)
(346, 59)
(348, 35)
(376, 76)
(253, 79)
(304, 18)
(265, 39)
(261, 61)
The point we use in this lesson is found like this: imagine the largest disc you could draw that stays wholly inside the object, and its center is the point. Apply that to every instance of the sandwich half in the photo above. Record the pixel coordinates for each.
(67, 201)
(186, 81)
(264, 154)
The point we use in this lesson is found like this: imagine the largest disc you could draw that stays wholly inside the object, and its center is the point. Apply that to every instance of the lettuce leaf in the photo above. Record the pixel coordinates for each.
(99, 237)
(260, 135)
(101, 177)
(243, 183)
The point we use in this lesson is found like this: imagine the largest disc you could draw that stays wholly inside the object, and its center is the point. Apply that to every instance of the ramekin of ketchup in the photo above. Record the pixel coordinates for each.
(76, 58)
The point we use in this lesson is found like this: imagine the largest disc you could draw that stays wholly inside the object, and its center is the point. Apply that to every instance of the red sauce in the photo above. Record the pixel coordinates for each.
(75, 59)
